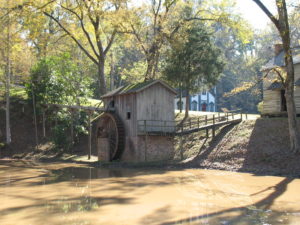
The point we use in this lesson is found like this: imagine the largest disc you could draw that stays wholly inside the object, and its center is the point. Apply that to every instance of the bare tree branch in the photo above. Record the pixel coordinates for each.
(73, 37)
(268, 13)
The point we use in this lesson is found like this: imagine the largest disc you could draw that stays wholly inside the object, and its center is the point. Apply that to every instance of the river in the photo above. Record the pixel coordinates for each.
(66, 193)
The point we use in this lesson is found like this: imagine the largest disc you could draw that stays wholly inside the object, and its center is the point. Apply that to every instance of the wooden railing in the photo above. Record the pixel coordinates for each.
(190, 125)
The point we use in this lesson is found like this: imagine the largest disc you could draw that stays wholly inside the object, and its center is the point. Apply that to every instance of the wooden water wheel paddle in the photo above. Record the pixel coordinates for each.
(110, 126)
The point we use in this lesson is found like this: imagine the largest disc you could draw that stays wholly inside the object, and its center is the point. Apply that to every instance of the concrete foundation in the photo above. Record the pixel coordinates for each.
(144, 148)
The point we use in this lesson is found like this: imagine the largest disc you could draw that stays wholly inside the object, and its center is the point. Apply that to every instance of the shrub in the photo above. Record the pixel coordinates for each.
(260, 106)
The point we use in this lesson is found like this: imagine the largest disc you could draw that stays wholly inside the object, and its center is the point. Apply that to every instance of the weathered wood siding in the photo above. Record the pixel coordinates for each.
(125, 104)
(156, 103)
(272, 101)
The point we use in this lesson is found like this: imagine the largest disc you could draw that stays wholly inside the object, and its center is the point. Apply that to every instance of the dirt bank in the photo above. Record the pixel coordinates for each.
(259, 146)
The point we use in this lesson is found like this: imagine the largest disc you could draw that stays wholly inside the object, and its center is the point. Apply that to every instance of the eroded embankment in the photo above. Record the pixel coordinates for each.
(260, 146)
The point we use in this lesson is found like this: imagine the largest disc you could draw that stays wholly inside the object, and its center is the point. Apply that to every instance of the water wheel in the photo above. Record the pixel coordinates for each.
(111, 127)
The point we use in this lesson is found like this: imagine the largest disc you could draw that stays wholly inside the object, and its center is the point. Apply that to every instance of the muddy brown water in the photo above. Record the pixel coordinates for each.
(55, 193)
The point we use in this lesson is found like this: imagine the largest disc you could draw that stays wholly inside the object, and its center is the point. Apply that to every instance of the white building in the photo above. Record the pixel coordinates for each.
(203, 101)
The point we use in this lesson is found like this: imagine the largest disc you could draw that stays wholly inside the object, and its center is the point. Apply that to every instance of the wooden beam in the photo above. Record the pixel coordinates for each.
(78, 107)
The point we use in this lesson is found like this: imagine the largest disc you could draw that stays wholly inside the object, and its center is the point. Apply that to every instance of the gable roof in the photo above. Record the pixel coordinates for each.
(134, 88)
(276, 85)
(278, 61)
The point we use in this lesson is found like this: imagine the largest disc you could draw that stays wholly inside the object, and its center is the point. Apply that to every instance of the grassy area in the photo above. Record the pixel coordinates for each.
(15, 92)
(94, 102)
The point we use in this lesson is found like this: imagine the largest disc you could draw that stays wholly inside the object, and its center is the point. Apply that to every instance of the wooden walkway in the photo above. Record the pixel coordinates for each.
(211, 122)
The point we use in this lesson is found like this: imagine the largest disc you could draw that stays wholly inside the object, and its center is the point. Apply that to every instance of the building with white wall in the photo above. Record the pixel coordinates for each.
(203, 101)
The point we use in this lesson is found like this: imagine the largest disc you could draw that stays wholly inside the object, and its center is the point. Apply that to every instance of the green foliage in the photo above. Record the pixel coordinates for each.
(195, 64)
(57, 79)
(260, 107)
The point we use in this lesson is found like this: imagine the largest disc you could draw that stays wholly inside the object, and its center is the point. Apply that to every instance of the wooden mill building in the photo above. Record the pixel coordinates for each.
(143, 117)
(274, 103)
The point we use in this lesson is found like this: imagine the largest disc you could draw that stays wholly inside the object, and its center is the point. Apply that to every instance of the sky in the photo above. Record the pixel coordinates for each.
(251, 12)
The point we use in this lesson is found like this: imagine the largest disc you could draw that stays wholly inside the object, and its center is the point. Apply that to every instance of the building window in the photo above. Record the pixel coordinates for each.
(194, 105)
(211, 107)
(112, 104)
(128, 115)
(203, 92)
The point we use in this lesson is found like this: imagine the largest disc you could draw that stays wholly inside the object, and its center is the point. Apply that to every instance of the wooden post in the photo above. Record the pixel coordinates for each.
(241, 116)
(44, 124)
(90, 135)
(207, 135)
(181, 148)
(246, 116)
(227, 116)
(198, 123)
(232, 114)
(213, 128)
(219, 116)
(146, 141)
(190, 123)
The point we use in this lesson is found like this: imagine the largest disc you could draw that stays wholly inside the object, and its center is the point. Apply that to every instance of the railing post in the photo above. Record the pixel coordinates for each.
(241, 116)
(213, 128)
(190, 123)
(227, 116)
(206, 120)
(219, 116)
(232, 114)
(198, 123)
(246, 116)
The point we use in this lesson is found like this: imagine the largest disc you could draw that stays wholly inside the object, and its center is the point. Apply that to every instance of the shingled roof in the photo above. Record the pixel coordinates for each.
(275, 85)
(134, 88)
(278, 61)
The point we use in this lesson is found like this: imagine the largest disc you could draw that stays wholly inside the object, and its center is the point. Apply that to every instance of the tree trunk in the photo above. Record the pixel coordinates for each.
(180, 99)
(187, 104)
(284, 31)
(101, 77)
(112, 73)
(7, 89)
(150, 67)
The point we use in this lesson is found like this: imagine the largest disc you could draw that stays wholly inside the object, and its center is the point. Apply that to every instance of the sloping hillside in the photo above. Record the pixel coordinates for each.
(260, 146)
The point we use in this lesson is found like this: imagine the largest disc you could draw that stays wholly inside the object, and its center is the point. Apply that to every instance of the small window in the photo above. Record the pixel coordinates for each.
(128, 115)
(203, 92)
(112, 103)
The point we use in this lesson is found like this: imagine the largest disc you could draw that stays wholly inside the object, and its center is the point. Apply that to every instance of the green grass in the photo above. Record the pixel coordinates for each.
(94, 102)
(15, 92)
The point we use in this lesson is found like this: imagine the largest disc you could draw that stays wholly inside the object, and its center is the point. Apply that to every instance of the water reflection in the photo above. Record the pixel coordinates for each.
(76, 194)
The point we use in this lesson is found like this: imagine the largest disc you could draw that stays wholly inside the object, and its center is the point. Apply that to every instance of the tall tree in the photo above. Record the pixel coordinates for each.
(97, 22)
(194, 64)
(282, 25)
(7, 86)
